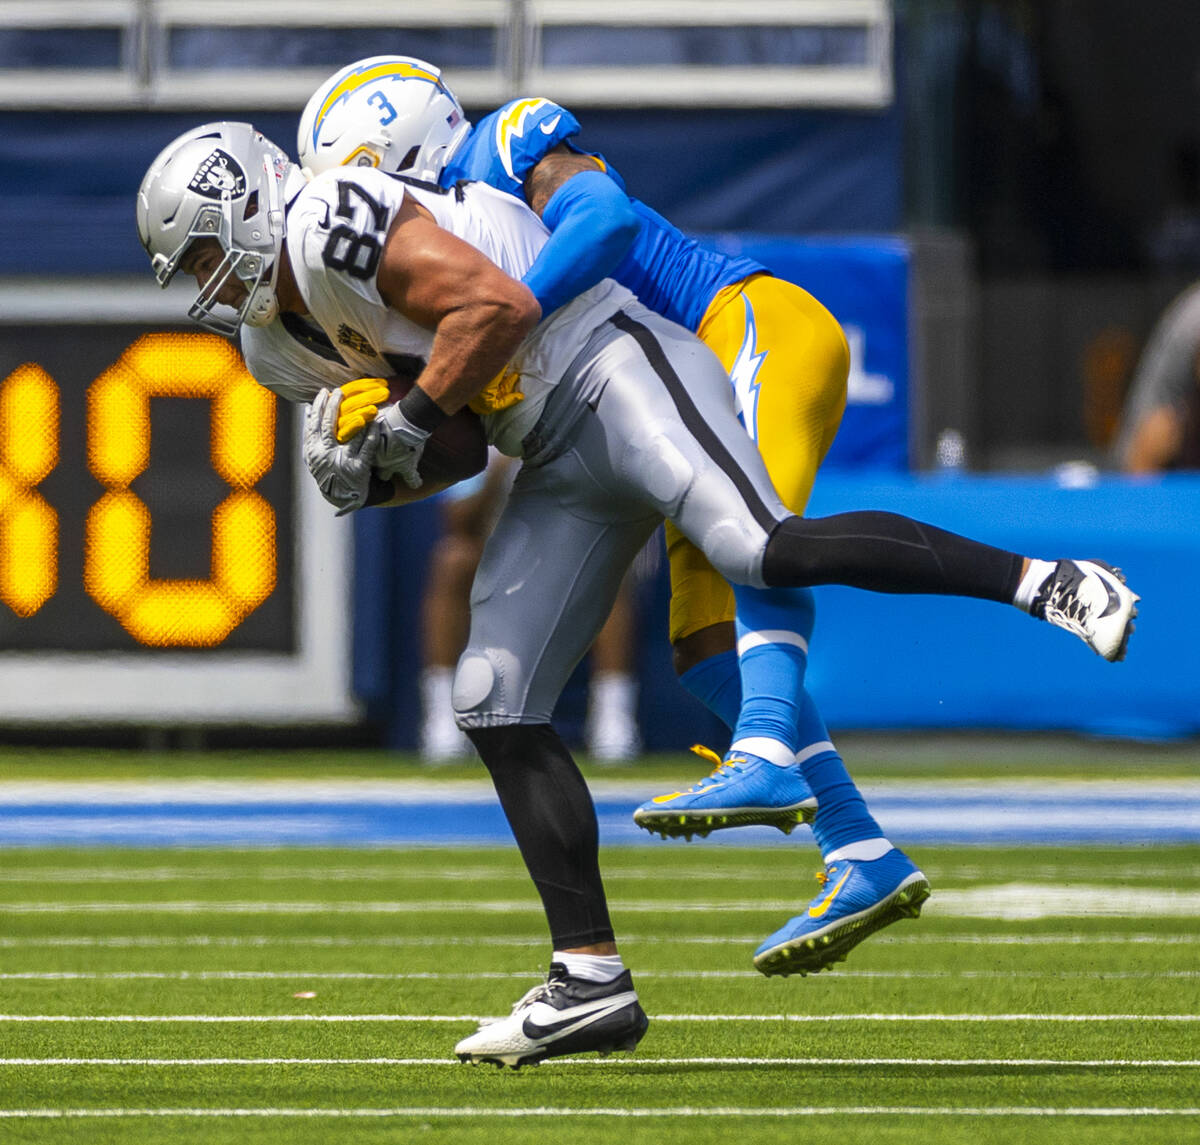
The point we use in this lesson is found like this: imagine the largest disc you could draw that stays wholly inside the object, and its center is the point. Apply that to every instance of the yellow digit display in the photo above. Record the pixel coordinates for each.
(28, 453)
(183, 612)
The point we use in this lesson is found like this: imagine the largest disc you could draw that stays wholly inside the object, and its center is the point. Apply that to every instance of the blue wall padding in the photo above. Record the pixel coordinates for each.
(926, 662)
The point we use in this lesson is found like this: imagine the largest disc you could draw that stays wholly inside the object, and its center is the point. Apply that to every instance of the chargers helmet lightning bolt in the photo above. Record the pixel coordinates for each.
(390, 112)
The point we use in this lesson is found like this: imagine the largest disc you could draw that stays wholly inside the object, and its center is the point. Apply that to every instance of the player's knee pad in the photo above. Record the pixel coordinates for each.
(735, 547)
(477, 693)
(657, 466)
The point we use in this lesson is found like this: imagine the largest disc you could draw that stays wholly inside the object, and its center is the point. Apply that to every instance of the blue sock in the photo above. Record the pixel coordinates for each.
(773, 629)
(716, 684)
(842, 815)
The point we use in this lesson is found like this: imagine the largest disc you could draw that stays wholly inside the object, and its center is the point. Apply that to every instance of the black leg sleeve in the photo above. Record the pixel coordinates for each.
(885, 552)
(550, 811)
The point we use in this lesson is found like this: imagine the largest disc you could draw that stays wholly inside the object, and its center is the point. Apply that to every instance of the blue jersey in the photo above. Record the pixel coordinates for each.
(668, 271)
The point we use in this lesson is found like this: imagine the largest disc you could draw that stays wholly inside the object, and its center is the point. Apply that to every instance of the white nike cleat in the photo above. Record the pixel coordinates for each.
(1090, 599)
(563, 1015)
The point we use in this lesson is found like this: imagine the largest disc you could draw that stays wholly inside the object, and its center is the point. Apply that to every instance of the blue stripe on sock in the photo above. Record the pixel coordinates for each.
(773, 673)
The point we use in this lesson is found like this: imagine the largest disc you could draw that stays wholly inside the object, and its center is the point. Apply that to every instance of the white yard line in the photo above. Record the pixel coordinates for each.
(678, 1111)
(151, 941)
(399, 873)
(1013, 901)
(438, 1019)
(495, 975)
(964, 1063)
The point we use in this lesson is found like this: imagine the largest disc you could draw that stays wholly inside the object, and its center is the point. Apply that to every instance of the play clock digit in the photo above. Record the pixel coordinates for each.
(157, 528)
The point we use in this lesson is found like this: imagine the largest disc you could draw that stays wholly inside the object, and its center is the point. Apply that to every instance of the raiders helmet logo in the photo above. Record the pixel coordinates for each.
(219, 177)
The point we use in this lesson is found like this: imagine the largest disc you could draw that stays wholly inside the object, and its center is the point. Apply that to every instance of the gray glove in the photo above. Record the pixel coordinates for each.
(342, 472)
(400, 445)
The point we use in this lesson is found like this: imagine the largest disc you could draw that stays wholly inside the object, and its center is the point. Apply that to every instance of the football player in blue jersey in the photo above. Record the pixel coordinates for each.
(742, 651)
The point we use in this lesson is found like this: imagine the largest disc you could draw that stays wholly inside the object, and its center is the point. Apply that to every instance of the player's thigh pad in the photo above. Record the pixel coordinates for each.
(673, 439)
(788, 360)
(546, 583)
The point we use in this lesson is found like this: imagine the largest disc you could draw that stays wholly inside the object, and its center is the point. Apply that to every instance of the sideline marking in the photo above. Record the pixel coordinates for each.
(83, 793)
(236, 813)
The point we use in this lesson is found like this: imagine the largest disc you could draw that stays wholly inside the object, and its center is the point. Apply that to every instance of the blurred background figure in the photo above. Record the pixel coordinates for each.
(1161, 425)
(466, 515)
(610, 735)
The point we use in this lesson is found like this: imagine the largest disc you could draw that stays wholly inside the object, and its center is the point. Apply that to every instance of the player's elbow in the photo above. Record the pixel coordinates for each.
(519, 310)
(622, 225)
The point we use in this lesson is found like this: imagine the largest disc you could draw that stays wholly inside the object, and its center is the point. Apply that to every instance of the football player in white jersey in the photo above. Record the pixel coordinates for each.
(787, 359)
(624, 419)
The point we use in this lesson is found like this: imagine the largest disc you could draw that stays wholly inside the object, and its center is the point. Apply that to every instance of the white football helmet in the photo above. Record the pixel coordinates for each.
(390, 112)
(224, 181)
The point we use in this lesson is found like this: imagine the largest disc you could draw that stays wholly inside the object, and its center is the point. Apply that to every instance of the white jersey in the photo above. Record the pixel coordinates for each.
(336, 230)
(293, 360)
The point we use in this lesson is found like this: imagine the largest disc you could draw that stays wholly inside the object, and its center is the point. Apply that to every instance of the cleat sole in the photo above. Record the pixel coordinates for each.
(674, 824)
(516, 1061)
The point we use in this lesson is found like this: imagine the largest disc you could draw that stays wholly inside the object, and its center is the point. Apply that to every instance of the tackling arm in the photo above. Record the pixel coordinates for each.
(592, 225)
(479, 314)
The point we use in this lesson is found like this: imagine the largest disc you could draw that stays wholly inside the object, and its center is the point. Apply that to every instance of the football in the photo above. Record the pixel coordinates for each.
(456, 450)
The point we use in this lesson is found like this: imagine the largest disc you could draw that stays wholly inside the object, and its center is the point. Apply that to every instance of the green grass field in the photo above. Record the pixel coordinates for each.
(305, 996)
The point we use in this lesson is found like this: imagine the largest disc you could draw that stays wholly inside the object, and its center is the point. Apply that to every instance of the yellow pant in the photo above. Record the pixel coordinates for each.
(789, 360)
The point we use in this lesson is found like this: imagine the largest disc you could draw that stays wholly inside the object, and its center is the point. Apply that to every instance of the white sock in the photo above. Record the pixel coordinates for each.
(611, 730)
(591, 967)
(613, 696)
(437, 686)
(439, 737)
(771, 750)
(1031, 583)
(861, 852)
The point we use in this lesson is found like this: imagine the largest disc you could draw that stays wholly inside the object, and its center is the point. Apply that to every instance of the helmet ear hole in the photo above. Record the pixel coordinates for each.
(251, 206)
(409, 159)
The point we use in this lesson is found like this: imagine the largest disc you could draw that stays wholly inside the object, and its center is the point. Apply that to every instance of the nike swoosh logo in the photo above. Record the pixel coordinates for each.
(699, 789)
(548, 127)
(606, 1006)
(1114, 601)
(827, 901)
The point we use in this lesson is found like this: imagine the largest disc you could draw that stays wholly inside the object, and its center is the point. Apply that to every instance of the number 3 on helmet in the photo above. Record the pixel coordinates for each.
(390, 112)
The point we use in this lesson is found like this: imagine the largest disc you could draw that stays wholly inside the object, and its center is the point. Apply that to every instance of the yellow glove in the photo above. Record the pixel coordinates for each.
(360, 403)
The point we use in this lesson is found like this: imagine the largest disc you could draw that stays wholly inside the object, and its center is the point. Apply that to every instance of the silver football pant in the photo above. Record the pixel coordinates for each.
(658, 438)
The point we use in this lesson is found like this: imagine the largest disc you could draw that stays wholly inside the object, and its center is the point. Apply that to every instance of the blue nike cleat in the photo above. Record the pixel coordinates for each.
(743, 790)
(856, 899)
